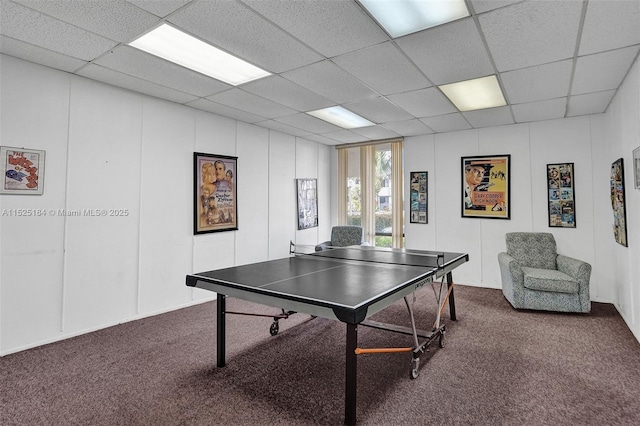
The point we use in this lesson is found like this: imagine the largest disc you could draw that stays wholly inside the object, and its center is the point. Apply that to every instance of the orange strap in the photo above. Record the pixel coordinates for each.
(444, 303)
(359, 351)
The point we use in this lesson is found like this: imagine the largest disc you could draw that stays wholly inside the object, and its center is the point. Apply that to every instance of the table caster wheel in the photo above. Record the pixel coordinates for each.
(441, 341)
(415, 365)
(273, 330)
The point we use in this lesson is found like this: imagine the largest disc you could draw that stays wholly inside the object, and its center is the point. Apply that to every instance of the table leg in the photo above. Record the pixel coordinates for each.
(221, 329)
(351, 367)
(452, 302)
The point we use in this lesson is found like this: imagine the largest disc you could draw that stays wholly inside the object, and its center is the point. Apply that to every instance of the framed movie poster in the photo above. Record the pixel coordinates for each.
(561, 195)
(307, 190)
(617, 202)
(418, 211)
(215, 202)
(486, 186)
(22, 171)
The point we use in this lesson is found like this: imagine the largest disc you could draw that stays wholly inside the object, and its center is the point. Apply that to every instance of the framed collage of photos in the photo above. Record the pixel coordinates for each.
(214, 197)
(419, 212)
(307, 190)
(618, 202)
(22, 171)
(486, 182)
(561, 195)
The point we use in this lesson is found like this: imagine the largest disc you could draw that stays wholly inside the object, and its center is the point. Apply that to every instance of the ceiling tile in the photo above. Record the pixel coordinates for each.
(489, 117)
(378, 111)
(245, 101)
(375, 132)
(139, 64)
(330, 81)
(446, 123)
(602, 71)
(446, 59)
(592, 103)
(409, 127)
(481, 6)
(532, 33)
(345, 136)
(235, 28)
(160, 8)
(309, 123)
(424, 102)
(322, 139)
(537, 83)
(30, 26)
(38, 55)
(610, 25)
(283, 128)
(541, 110)
(115, 78)
(206, 105)
(383, 68)
(287, 93)
(330, 27)
(114, 19)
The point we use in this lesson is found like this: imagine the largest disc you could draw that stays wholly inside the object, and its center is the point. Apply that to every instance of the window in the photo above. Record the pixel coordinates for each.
(366, 175)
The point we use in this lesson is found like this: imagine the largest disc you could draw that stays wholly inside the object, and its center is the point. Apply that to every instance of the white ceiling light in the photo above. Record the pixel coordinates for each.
(479, 93)
(178, 47)
(341, 117)
(401, 17)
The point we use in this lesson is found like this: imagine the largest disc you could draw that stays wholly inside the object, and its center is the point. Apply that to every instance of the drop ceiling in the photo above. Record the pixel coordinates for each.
(553, 58)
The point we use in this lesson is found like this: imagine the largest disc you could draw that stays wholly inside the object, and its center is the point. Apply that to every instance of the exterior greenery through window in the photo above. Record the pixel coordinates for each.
(383, 193)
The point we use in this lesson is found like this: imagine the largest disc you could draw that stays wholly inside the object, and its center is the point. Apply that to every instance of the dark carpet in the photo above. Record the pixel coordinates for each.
(499, 367)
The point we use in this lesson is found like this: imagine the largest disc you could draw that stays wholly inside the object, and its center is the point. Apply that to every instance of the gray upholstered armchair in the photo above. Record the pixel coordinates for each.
(342, 236)
(534, 276)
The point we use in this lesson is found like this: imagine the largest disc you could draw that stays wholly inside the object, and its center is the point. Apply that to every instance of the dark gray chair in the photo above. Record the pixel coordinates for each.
(534, 276)
(342, 236)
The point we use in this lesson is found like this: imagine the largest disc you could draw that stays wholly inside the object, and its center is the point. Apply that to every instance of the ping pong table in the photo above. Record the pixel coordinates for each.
(347, 284)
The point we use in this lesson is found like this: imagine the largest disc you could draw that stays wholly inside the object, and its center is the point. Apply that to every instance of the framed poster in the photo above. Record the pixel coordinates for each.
(215, 203)
(561, 195)
(307, 190)
(22, 171)
(486, 186)
(418, 210)
(617, 202)
(636, 167)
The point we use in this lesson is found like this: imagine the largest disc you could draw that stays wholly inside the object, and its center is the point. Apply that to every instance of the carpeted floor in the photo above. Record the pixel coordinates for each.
(499, 367)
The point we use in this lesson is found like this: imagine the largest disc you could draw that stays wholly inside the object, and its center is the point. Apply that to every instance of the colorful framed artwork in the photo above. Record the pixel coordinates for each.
(618, 202)
(215, 200)
(22, 171)
(486, 182)
(636, 167)
(561, 195)
(307, 190)
(418, 209)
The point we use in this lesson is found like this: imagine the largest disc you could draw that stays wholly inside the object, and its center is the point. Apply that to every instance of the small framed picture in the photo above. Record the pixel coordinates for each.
(22, 171)
(307, 203)
(418, 210)
(561, 195)
(215, 206)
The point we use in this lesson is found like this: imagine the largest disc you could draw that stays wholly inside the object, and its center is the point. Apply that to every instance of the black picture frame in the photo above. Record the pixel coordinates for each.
(307, 205)
(486, 186)
(618, 202)
(561, 195)
(418, 197)
(215, 202)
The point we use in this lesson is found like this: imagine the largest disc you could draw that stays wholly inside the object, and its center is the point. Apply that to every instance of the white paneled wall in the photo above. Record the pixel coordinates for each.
(115, 150)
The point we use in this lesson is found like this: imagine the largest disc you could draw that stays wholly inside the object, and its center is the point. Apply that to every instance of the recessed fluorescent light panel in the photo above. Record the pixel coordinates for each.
(181, 48)
(341, 117)
(402, 17)
(479, 93)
